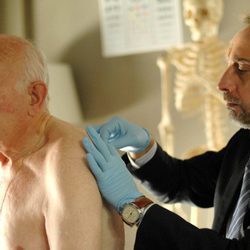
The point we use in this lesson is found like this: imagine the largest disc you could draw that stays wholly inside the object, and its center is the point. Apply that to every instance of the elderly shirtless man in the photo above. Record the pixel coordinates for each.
(48, 197)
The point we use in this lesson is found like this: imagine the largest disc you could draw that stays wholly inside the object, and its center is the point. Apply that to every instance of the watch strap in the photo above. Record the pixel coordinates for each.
(142, 202)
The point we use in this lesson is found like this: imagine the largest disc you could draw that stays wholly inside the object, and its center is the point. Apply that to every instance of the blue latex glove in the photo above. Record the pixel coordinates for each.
(114, 180)
(124, 135)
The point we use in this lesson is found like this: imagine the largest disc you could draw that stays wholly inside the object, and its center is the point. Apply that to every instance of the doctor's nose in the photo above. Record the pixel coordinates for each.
(228, 81)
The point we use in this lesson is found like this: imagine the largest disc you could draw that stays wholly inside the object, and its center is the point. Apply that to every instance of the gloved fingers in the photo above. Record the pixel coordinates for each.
(113, 150)
(113, 129)
(97, 128)
(121, 142)
(95, 168)
(108, 134)
(90, 147)
(103, 131)
(100, 145)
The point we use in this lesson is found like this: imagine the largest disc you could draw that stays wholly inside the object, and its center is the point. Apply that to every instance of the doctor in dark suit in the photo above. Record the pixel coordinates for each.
(213, 179)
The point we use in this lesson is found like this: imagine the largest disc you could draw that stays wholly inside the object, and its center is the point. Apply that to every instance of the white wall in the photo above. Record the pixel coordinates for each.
(128, 86)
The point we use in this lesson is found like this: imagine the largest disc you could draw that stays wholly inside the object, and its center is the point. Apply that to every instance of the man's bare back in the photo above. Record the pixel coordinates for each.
(50, 200)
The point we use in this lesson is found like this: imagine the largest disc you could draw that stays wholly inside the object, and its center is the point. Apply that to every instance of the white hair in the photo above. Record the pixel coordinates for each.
(33, 63)
(29, 60)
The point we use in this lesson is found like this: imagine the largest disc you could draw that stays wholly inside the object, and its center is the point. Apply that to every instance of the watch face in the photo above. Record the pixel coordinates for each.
(130, 214)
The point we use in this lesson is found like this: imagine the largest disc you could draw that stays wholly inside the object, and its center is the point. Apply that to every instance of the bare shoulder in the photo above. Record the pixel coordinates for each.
(64, 134)
(72, 192)
(65, 156)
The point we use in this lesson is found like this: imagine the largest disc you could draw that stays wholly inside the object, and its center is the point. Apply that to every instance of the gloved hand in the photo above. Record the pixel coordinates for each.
(124, 135)
(114, 180)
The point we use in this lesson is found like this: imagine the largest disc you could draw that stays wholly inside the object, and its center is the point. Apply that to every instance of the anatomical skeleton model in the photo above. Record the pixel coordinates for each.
(198, 66)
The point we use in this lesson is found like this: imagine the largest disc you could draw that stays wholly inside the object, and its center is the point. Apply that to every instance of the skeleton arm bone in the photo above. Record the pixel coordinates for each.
(165, 126)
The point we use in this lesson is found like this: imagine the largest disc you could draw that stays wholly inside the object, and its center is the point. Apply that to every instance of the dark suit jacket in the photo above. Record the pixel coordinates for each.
(212, 179)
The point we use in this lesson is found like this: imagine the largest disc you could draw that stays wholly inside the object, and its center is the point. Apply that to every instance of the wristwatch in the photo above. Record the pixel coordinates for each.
(133, 212)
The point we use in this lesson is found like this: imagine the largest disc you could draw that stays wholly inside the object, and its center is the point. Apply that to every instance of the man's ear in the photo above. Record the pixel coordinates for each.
(37, 96)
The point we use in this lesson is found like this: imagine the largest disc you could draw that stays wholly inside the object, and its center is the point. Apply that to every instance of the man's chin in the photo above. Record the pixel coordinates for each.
(242, 119)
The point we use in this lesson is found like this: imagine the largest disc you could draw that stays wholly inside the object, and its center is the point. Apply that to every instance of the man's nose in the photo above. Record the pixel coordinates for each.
(228, 80)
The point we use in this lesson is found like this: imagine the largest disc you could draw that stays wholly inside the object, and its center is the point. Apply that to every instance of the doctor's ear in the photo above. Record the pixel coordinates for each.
(37, 96)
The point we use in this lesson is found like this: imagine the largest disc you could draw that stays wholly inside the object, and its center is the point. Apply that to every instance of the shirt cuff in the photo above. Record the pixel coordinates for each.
(137, 163)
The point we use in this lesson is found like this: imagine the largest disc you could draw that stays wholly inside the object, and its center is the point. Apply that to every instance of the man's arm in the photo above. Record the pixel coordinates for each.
(73, 206)
(159, 228)
(162, 229)
(175, 180)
